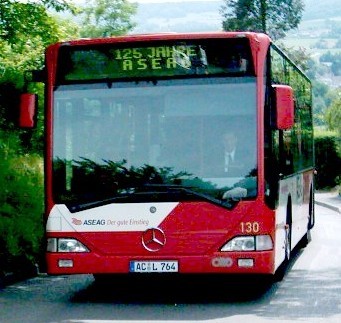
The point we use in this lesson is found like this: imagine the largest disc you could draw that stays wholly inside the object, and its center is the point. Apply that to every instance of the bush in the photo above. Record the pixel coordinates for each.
(327, 161)
(21, 208)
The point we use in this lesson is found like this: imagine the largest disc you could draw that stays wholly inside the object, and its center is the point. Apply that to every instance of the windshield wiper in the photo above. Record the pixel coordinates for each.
(89, 205)
(173, 188)
(154, 192)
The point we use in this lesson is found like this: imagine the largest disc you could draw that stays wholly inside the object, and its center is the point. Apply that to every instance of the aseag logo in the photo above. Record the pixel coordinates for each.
(76, 221)
(88, 222)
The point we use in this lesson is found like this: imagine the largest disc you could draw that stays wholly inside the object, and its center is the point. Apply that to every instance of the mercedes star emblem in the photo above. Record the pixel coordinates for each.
(153, 239)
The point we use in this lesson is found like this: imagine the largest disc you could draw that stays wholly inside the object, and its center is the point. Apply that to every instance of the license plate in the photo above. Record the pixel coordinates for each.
(154, 266)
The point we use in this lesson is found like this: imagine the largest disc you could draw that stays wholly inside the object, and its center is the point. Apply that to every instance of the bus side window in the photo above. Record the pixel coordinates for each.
(287, 157)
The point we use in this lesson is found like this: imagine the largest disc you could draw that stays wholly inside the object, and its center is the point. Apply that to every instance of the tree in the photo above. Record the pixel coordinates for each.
(107, 18)
(334, 59)
(24, 20)
(21, 182)
(26, 29)
(333, 115)
(274, 17)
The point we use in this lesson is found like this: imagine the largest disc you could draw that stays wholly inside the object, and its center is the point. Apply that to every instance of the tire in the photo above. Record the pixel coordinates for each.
(104, 279)
(111, 279)
(305, 240)
(311, 222)
(287, 242)
(281, 270)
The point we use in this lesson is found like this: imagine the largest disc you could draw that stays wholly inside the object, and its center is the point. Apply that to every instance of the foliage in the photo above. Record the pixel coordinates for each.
(274, 17)
(333, 115)
(11, 85)
(21, 22)
(21, 204)
(112, 178)
(25, 31)
(328, 161)
(322, 97)
(68, 28)
(299, 56)
(334, 60)
(103, 18)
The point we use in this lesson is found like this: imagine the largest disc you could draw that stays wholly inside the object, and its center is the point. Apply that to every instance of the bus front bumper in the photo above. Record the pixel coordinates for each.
(228, 263)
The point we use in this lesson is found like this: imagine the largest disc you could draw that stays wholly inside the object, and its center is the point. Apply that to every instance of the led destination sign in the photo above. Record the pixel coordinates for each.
(213, 56)
(158, 58)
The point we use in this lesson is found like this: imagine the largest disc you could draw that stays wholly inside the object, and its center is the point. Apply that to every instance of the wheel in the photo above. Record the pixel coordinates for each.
(311, 221)
(305, 240)
(281, 270)
(104, 279)
(111, 279)
(287, 242)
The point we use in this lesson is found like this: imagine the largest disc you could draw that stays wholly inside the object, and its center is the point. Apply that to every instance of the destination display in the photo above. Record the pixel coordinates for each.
(206, 57)
(158, 58)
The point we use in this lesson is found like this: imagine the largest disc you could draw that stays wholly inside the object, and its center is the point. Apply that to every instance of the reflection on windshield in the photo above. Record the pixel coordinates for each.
(197, 134)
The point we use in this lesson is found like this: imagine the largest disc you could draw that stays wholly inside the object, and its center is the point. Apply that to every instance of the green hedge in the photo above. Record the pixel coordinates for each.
(327, 160)
(21, 209)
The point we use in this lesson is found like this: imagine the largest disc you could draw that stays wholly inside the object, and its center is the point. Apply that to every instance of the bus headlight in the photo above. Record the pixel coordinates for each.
(249, 243)
(65, 245)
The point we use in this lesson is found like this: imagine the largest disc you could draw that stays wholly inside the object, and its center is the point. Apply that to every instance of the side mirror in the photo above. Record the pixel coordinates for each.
(284, 106)
(28, 110)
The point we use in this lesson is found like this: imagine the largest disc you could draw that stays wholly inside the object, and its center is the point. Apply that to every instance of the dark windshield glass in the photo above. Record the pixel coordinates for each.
(194, 133)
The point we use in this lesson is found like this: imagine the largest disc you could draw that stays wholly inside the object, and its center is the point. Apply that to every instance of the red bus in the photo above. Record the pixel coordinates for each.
(138, 174)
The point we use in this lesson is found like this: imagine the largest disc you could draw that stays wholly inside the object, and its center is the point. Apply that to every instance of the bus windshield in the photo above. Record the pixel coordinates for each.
(148, 139)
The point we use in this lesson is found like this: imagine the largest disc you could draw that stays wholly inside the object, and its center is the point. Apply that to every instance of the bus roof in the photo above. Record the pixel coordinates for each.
(165, 36)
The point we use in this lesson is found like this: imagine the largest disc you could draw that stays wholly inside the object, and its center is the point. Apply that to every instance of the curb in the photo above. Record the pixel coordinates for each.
(329, 206)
